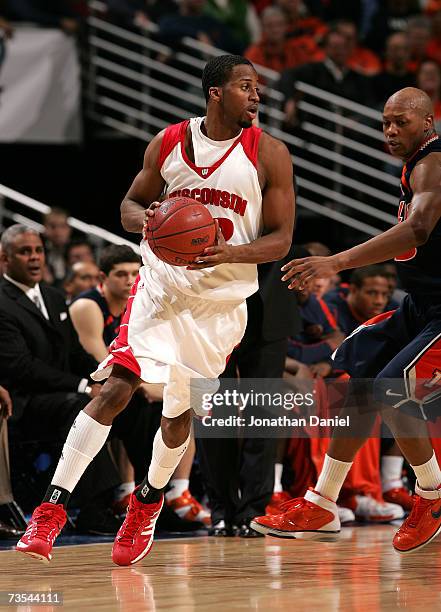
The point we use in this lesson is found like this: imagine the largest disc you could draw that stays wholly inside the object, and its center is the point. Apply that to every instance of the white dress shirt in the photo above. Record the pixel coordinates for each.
(33, 293)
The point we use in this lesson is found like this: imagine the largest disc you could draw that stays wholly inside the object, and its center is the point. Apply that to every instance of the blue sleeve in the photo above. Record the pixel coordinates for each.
(25, 11)
(309, 353)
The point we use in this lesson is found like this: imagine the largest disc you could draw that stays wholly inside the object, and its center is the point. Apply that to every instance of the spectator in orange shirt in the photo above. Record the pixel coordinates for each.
(299, 22)
(275, 50)
(429, 80)
(418, 32)
(361, 59)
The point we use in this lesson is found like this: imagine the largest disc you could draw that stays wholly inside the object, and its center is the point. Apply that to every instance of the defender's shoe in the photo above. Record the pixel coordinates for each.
(276, 502)
(188, 508)
(400, 496)
(46, 523)
(135, 536)
(423, 524)
(307, 518)
(368, 509)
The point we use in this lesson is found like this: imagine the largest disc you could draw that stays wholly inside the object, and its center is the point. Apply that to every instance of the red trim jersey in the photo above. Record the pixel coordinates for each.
(224, 178)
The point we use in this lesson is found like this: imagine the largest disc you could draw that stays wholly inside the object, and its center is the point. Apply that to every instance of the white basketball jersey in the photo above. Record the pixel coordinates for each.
(224, 178)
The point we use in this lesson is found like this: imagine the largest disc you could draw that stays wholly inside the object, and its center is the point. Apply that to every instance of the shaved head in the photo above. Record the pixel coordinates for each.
(407, 121)
(413, 99)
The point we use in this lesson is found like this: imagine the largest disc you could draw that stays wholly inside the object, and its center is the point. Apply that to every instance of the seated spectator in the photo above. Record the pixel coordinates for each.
(391, 16)
(81, 277)
(299, 23)
(275, 50)
(46, 13)
(9, 510)
(360, 59)
(318, 339)
(418, 33)
(428, 78)
(192, 20)
(239, 16)
(368, 296)
(396, 74)
(96, 313)
(332, 75)
(57, 233)
(46, 369)
(79, 250)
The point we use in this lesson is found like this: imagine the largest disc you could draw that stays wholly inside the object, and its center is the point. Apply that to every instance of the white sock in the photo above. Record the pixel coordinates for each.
(178, 486)
(278, 471)
(124, 489)
(84, 440)
(391, 471)
(164, 461)
(332, 477)
(428, 474)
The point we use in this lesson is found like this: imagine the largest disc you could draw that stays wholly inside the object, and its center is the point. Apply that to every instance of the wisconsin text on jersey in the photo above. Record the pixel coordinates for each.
(215, 197)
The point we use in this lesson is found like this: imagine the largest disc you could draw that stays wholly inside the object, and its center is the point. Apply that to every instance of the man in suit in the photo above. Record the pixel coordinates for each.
(246, 479)
(45, 368)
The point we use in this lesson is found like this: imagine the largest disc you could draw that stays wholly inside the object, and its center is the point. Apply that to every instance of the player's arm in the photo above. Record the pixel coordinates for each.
(145, 189)
(278, 207)
(88, 321)
(424, 213)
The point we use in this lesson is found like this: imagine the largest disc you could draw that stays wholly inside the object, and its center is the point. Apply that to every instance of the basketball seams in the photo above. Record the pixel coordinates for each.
(165, 218)
(181, 232)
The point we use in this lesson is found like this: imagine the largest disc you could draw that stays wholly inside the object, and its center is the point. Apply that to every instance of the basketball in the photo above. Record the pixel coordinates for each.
(180, 231)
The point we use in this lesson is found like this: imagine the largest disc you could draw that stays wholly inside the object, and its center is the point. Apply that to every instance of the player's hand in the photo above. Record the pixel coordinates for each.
(148, 214)
(5, 403)
(220, 253)
(321, 369)
(302, 271)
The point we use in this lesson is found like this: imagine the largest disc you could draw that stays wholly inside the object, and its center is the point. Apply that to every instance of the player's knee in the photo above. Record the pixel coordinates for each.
(115, 396)
(176, 431)
(389, 388)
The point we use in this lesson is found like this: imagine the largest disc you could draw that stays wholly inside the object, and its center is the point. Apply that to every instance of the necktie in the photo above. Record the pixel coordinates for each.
(37, 301)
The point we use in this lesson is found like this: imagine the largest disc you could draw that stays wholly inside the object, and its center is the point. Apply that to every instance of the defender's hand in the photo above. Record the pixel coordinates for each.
(220, 253)
(302, 271)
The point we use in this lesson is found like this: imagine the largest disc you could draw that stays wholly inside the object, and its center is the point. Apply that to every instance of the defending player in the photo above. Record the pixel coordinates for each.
(395, 349)
(182, 324)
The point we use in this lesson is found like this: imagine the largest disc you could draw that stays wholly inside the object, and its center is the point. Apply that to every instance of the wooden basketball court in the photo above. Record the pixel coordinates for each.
(360, 572)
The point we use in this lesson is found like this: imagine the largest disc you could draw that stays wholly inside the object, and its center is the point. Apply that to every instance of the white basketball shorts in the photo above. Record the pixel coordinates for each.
(169, 337)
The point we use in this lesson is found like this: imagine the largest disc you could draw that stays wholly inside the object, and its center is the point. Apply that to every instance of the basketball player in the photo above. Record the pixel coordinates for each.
(396, 348)
(180, 323)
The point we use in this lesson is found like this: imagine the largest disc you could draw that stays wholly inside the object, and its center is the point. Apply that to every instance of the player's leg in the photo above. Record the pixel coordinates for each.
(135, 537)
(84, 440)
(404, 387)
(316, 515)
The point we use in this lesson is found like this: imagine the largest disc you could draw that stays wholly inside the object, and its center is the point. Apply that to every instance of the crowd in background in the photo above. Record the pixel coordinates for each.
(362, 50)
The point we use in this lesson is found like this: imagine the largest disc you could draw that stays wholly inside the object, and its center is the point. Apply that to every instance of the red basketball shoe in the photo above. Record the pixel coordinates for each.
(423, 524)
(308, 518)
(46, 523)
(400, 496)
(188, 508)
(135, 536)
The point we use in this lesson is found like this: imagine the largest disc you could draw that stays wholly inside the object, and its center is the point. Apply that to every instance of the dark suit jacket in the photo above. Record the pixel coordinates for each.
(273, 312)
(36, 355)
